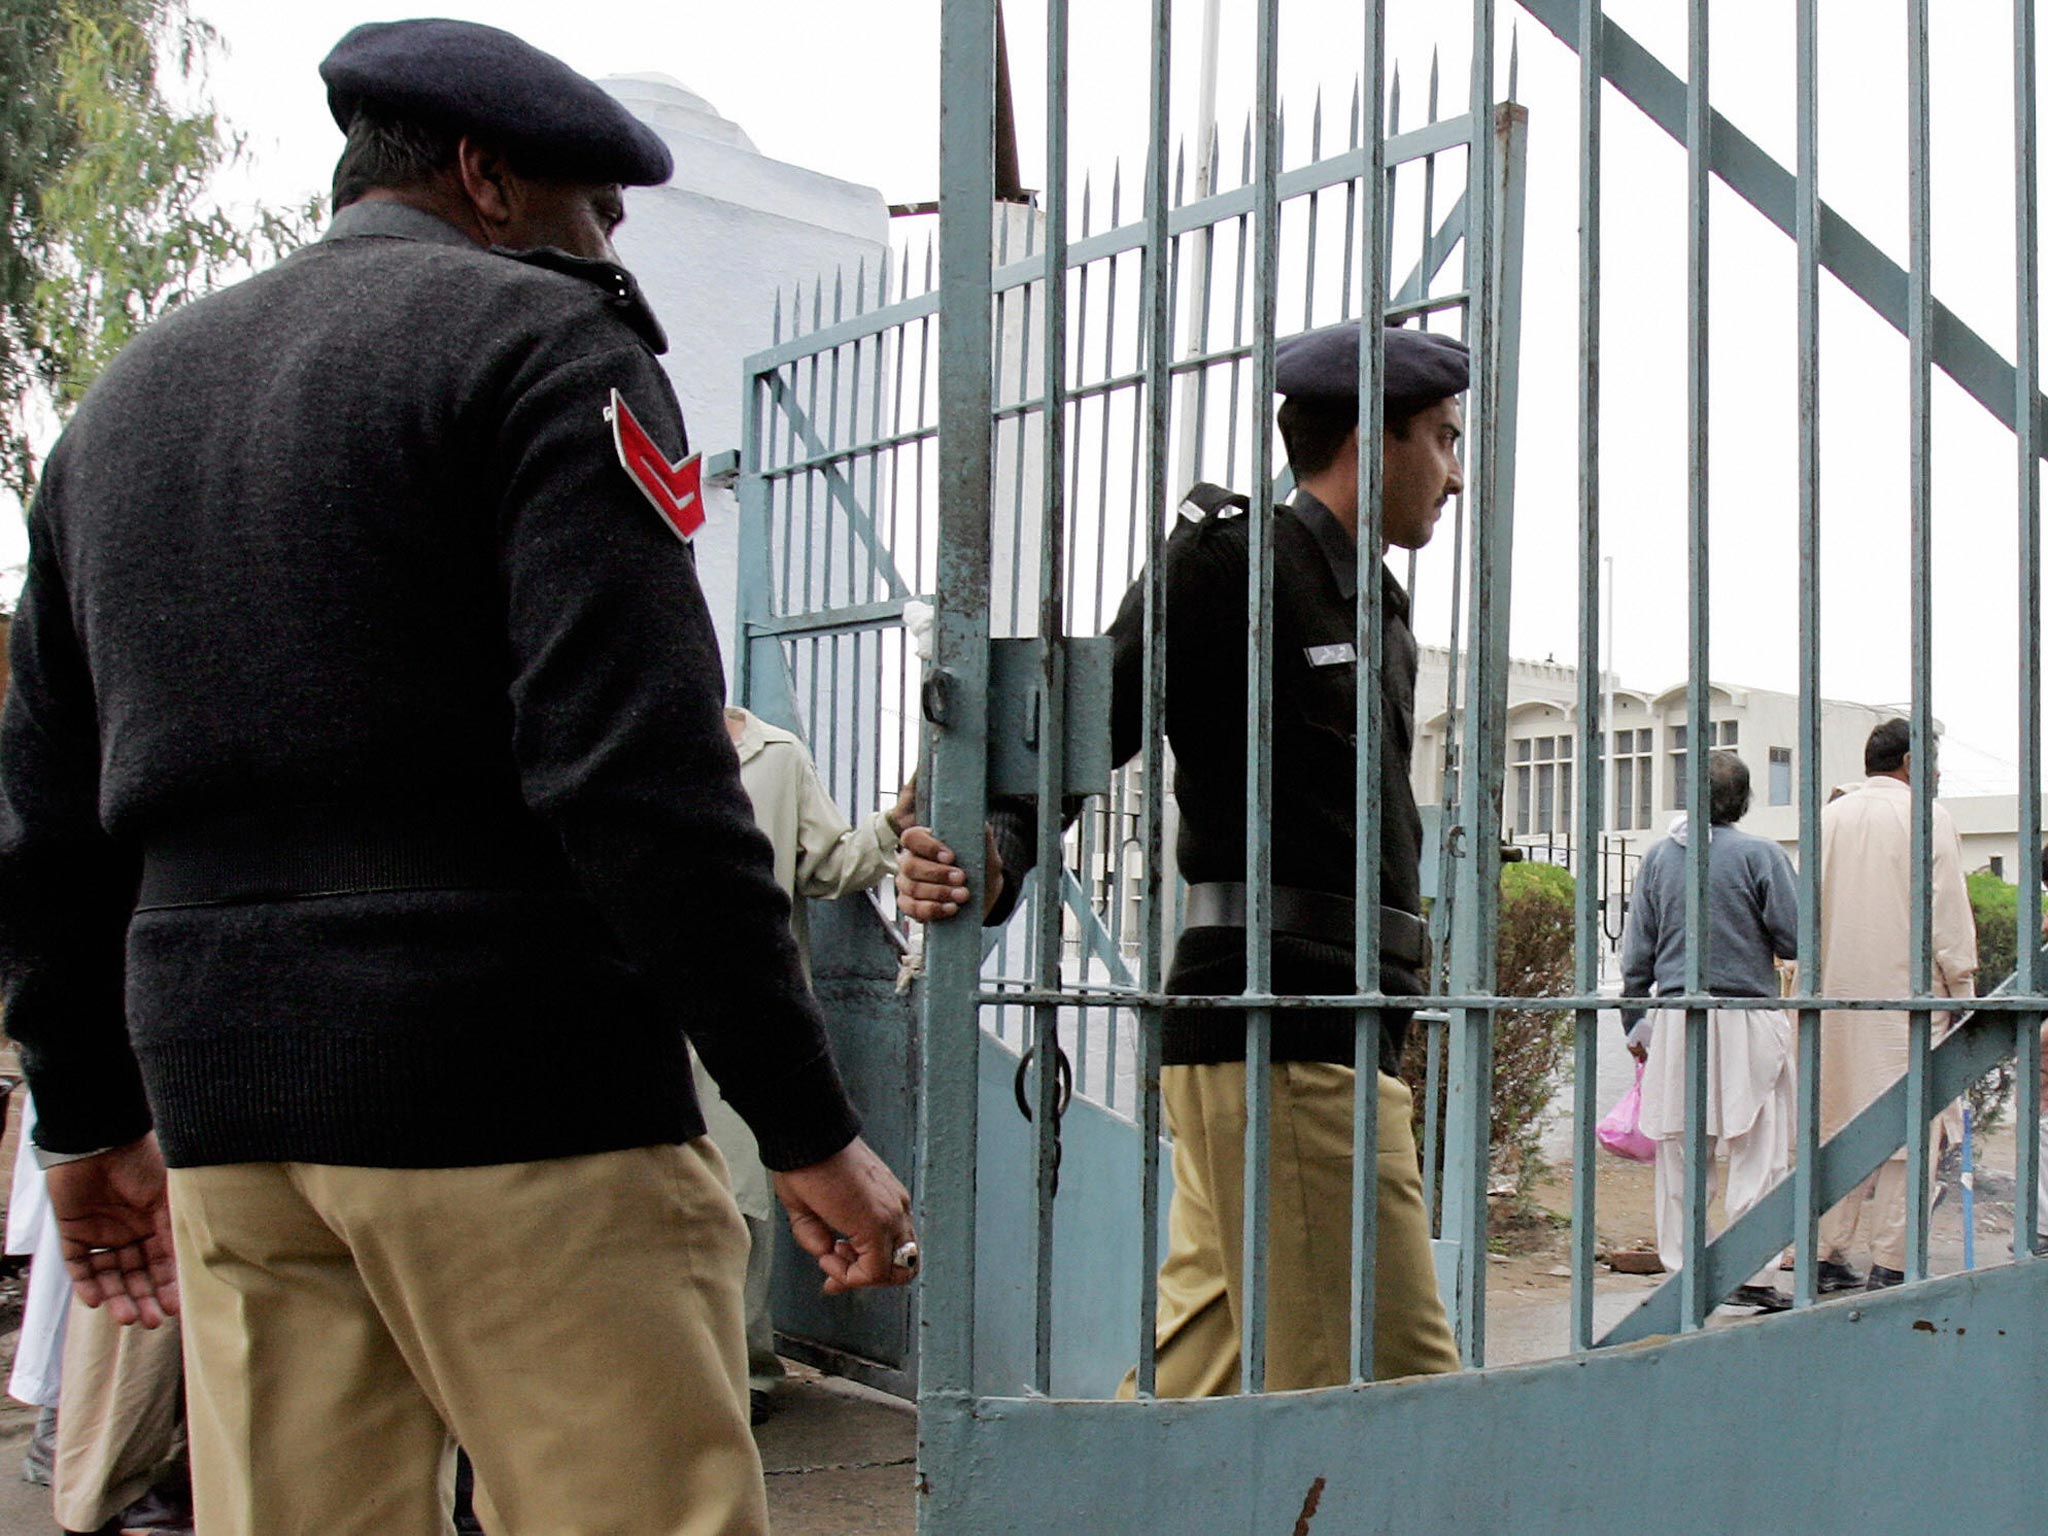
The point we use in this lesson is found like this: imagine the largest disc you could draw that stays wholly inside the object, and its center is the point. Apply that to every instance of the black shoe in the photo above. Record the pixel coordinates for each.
(1882, 1279)
(1831, 1276)
(1765, 1298)
(761, 1406)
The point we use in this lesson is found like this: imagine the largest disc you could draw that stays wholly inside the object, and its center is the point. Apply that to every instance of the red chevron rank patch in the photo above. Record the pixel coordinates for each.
(672, 489)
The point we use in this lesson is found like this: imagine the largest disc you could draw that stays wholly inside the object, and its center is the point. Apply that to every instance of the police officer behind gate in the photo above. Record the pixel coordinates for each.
(1315, 681)
(354, 664)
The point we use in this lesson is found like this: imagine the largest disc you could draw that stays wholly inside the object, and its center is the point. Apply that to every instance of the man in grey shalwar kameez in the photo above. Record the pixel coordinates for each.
(1752, 917)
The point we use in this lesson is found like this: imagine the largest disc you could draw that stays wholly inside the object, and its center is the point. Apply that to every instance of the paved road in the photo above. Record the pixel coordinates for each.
(840, 1462)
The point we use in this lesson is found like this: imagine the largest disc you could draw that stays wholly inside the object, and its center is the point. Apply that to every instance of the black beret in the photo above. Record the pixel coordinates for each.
(477, 79)
(1323, 365)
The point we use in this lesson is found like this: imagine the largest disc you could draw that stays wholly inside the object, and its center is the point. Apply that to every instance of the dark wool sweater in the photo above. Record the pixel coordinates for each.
(1315, 768)
(346, 553)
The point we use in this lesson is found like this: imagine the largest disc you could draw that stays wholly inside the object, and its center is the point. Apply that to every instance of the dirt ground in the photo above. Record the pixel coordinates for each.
(1529, 1282)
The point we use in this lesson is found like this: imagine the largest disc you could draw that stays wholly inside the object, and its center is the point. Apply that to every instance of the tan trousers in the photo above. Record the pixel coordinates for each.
(1308, 1310)
(574, 1323)
(119, 1418)
(1884, 1195)
(764, 1366)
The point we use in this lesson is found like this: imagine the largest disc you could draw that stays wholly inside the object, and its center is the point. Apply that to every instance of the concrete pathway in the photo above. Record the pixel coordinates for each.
(840, 1462)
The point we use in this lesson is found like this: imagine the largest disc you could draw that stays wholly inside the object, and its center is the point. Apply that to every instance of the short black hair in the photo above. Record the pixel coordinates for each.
(392, 152)
(1313, 427)
(1727, 788)
(1888, 746)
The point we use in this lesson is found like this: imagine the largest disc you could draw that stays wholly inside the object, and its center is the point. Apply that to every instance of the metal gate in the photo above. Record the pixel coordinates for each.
(1003, 429)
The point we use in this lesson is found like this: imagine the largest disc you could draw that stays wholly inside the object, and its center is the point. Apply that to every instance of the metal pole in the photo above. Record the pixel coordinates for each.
(1259, 710)
(1203, 245)
(1586, 1058)
(1806, 1162)
(956, 694)
(2026, 429)
(1698, 1150)
(1048, 912)
(1920, 480)
(1475, 920)
(1158, 407)
(1370, 647)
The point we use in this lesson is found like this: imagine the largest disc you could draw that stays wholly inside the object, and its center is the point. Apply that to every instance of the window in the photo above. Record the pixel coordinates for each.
(1781, 776)
(1720, 734)
(1998, 865)
(1631, 780)
(1543, 784)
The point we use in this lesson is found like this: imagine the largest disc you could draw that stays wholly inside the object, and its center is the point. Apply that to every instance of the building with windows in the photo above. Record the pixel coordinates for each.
(1642, 762)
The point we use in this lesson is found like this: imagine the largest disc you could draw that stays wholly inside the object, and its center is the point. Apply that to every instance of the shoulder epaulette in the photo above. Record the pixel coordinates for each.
(619, 286)
(1205, 501)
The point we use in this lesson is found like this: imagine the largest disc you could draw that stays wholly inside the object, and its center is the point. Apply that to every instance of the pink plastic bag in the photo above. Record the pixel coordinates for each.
(1619, 1130)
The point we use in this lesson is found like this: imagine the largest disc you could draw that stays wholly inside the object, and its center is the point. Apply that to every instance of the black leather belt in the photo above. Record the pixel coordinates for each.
(303, 854)
(1320, 915)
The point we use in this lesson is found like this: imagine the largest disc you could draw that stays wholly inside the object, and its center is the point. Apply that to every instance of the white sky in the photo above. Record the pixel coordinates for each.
(850, 87)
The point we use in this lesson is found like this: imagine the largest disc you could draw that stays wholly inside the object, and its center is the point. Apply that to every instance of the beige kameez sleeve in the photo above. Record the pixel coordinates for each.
(835, 858)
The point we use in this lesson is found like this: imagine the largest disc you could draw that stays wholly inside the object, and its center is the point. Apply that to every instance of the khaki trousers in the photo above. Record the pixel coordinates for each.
(575, 1323)
(1884, 1192)
(764, 1366)
(1308, 1308)
(119, 1418)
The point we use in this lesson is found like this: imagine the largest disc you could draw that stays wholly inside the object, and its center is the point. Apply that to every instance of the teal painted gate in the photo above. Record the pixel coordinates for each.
(1002, 429)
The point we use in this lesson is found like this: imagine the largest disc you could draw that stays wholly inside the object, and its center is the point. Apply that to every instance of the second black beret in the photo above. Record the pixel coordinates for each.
(478, 79)
(1323, 364)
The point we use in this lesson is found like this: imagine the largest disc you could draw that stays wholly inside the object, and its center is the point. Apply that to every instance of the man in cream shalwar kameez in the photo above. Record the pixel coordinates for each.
(820, 856)
(1865, 917)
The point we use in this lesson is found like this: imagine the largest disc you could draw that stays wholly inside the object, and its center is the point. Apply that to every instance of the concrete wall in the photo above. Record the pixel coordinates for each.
(712, 249)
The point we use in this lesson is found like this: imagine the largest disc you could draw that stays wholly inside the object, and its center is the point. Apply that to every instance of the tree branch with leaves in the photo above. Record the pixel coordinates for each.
(107, 214)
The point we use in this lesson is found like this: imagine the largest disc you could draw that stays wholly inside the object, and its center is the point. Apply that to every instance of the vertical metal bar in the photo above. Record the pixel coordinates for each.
(1199, 434)
(1259, 713)
(1586, 1059)
(1350, 215)
(753, 497)
(1698, 1150)
(1159, 414)
(1920, 475)
(1051, 629)
(1806, 1161)
(1015, 616)
(2027, 422)
(950, 1032)
(1194, 386)
(1476, 916)
(1315, 153)
(1370, 647)
(1245, 240)
(1432, 1114)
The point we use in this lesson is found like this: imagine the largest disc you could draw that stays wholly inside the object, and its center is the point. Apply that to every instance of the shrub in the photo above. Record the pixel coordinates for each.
(1529, 1045)
(1995, 906)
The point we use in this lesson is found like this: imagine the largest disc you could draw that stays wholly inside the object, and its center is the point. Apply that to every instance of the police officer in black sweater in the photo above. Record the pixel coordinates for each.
(1316, 570)
(370, 840)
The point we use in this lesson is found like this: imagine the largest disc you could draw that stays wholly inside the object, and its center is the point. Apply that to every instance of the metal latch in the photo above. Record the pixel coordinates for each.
(1017, 714)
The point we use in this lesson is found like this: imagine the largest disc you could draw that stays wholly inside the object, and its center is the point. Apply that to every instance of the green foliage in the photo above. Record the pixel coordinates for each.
(1995, 906)
(104, 194)
(1529, 1045)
